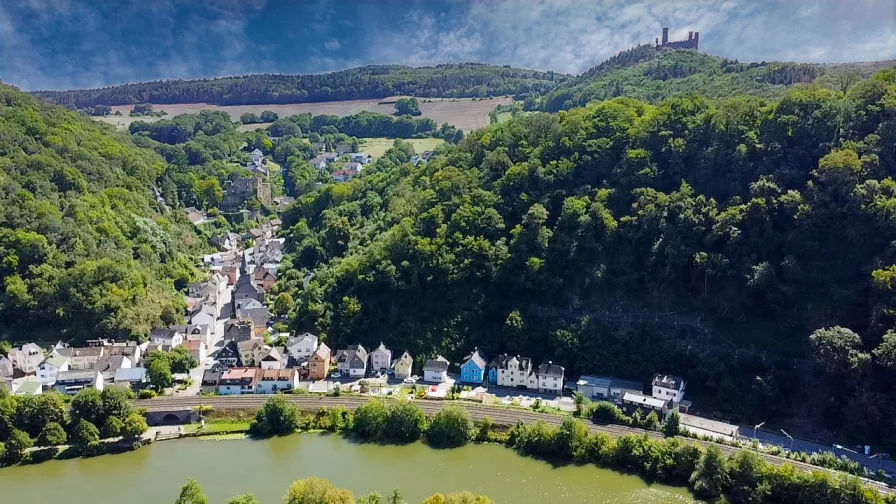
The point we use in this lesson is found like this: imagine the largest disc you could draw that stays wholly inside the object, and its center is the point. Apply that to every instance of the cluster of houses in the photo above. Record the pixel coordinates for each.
(353, 162)
(30, 369)
(666, 392)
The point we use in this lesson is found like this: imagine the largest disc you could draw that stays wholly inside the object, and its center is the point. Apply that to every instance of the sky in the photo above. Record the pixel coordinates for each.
(65, 44)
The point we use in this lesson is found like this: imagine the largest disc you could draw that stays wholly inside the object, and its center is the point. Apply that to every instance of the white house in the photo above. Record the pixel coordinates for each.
(72, 382)
(238, 381)
(668, 388)
(27, 358)
(516, 373)
(135, 378)
(302, 346)
(50, 368)
(274, 359)
(28, 385)
(550, 378)
(167, 337)
(380, 358)
(435, 370)
(5, 367)
(276, 380)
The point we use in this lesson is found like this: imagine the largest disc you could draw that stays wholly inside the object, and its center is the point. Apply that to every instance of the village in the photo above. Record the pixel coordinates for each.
(230, 335)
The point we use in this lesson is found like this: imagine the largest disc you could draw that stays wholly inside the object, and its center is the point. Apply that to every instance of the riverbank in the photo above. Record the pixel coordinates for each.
(741, 477)
(225, 468)
(506, 415)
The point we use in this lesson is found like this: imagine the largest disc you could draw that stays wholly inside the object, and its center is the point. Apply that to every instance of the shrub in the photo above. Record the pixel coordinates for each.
(672, 425)
(16, 445)
(85, 434)
(112, 428)
(406, 422)
(277, 417)
(608, 412)
(146, 394)
(451, 426)
(370, 419)
(710, 477)
(52, 435)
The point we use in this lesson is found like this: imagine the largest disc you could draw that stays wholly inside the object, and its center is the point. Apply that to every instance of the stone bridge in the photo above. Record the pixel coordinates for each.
(173, 416)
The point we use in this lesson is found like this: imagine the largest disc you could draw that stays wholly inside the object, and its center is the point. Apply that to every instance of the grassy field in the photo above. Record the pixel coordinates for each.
(217, 427)
(464, 113)
(376, 147)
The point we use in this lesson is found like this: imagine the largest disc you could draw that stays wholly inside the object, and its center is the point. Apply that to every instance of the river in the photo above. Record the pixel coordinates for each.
(224, 468)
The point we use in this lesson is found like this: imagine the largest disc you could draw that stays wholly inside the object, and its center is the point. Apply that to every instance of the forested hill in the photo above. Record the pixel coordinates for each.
(649, 74)
(770, 220)
(84, 252)
(369, 82)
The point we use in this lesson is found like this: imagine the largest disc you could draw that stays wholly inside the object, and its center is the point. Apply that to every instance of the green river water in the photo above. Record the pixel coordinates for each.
(154, 474)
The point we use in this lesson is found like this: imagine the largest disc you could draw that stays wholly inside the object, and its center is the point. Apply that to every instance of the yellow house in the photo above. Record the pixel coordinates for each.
(402, 366)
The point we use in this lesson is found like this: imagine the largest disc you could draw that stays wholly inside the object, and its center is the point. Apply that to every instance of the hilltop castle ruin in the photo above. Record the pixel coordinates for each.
(692, 42)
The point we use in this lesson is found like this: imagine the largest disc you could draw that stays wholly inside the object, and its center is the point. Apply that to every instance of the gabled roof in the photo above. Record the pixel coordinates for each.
(477, 357)
(210, 377)
(87, 352)
(382, 348)
(439, 364)
(322, 352)
(54, 360)
(274, 354)
(165, 333)
(194, 345)
(668, 381)
(633, 398)
(550, 370)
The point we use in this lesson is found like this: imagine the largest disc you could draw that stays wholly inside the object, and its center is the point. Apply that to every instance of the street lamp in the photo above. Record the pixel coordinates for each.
(756, 428)
(790, 437)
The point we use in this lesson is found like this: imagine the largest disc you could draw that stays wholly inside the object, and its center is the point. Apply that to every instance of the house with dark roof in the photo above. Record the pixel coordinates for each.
(245, 289)
(353, 357)
(550, 378)
(229, 355)
(472, 370)
(239, 330)
(167, 336)
(496, 364)
(210, 381)
(668, 388)
(517, 373)
(435, 370)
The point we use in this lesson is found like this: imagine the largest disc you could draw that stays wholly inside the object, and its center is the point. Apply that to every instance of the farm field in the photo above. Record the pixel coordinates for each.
(376, 147)
(463, 113)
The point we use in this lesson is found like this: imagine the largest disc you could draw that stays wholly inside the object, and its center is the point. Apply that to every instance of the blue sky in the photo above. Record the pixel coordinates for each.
(62, 44)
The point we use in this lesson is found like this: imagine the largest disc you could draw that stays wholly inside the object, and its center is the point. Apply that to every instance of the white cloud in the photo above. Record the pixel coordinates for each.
(69, 43)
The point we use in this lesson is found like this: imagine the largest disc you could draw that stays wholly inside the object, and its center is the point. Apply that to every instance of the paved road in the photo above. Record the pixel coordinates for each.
(499, 415)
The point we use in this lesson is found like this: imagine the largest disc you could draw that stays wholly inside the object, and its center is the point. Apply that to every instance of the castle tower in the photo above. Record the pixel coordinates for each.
(665, 36)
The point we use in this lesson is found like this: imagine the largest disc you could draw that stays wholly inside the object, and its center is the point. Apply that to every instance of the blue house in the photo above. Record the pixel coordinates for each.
(472, 371)
(499, 362)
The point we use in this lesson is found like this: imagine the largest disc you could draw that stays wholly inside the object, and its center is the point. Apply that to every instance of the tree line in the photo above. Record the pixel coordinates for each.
(50, 420)
(454, 80)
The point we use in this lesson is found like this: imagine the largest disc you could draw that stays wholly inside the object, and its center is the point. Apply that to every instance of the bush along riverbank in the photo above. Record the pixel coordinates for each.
(36, 428)
(742, 478)
(609, 413)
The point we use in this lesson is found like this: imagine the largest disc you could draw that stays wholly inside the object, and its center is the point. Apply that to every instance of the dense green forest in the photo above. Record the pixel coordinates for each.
(767, 220)
(85, 250)
(652, 75)
(453, 80)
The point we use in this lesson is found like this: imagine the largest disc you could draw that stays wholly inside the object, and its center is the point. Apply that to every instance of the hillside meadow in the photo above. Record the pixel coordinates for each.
(464, 113)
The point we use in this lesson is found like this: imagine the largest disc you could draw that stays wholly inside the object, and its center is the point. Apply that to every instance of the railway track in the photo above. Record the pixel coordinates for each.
(499, 415)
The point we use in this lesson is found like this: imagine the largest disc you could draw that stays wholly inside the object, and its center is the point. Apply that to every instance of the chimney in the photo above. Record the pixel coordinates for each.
(665, 36)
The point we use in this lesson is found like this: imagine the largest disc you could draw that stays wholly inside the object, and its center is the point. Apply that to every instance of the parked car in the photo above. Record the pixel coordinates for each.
(411, 380)
(336, 375)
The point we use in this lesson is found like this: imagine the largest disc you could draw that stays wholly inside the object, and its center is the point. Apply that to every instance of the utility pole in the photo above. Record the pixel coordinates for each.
(756, 428)
(790, 437)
